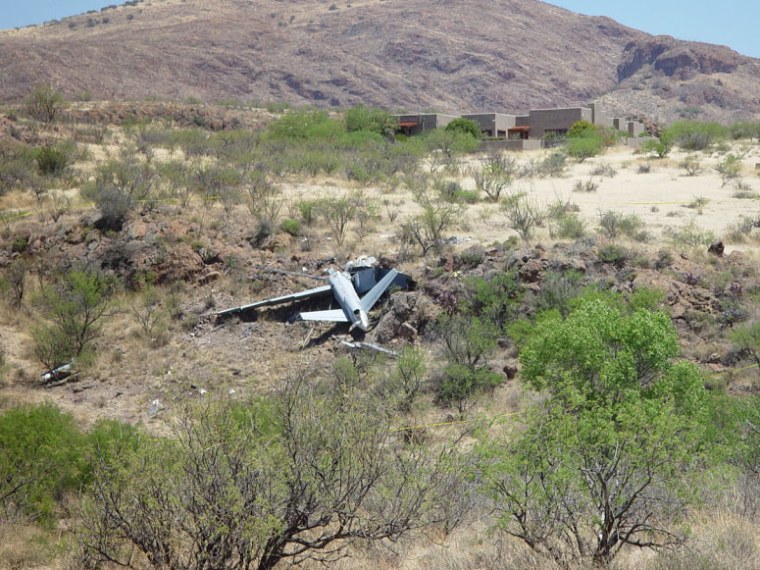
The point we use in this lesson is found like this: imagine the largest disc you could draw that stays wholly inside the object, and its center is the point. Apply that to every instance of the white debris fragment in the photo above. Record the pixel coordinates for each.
(155, 407)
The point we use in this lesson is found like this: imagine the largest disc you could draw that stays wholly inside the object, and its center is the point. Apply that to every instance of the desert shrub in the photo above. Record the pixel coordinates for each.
(361, 118)
(44, 103)
(584, 147)
(217, 183)
(553, 165)
(75, 306)
(446, 147)
(174, 179)
(694, 135)
(692, 165)
(119, 185)
(587, 186)
(620, 431)
(459, 383)
(42, 456)
(664, 260)
(747, 339)
(568, 226)
(691, 235)
(729, 169)
(522, 214)
(494, 298)
(193, 142)
(308, 210)
(428, 228)
(562, 206)
(149, 135)
(744, 191)
(223, 490)
(303, 125)
(238, 148)
(613, 254)
(558, 290)
(660, 147)
(151, 316)
(338, 212)
(291, 226)
(698, 204)
(465, 127)
(13, 282)
(51, 161)
(496, 175)
(19, 244)
(467, 342)
(16, 165)
(407, 378)
(580, 129)
(447, 189)
(613, 224)
(604, 170)
(745, 130)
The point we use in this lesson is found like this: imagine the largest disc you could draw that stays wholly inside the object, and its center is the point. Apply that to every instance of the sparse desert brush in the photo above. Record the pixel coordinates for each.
(567, 226)
(614, 224)
(587, 186)
(690, 234)
(744, 191)
(698, 204)
(604, 170)
(692, 165)
(729, 169)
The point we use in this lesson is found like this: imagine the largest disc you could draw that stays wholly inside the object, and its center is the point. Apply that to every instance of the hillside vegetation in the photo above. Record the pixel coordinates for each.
(574, 378)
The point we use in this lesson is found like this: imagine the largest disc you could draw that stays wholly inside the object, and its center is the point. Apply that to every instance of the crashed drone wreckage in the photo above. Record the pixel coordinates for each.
(359, 278)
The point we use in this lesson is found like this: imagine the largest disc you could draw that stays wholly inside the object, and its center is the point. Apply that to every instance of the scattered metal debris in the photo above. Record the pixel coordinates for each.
(155, 407)
(59, 375)
(370, 346)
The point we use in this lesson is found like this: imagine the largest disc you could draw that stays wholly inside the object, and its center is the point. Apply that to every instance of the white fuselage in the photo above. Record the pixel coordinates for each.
(344, 292)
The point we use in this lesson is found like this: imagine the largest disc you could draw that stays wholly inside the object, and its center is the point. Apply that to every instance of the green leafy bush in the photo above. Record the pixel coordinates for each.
(51, 161)
(42, 456)
(467, 342)
(582, 148)
(729, 169)
(465, 127)
(695, 135)
(291, 226)
(361, 118)
(44, 103)
(119, 185)
(613, 254)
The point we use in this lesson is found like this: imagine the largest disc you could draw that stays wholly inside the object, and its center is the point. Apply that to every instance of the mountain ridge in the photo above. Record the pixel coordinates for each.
(505, 56)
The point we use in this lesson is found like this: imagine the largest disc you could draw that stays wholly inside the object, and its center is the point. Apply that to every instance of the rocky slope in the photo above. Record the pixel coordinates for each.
(506, 55)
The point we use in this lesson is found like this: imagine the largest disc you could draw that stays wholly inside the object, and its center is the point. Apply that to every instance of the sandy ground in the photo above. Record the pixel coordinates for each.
(661, 197)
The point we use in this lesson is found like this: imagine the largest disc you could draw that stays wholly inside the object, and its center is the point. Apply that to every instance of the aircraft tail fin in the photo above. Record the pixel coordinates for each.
(369, 300)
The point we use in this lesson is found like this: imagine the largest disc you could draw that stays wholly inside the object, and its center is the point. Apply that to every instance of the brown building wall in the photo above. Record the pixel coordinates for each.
(423, 122)
(635, 128)
(493, 124)
(556, 120)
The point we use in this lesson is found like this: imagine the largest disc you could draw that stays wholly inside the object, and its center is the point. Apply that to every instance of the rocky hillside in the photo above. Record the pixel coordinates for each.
(505, 55)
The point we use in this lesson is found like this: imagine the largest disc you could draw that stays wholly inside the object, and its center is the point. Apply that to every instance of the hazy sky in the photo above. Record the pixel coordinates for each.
(729, 22)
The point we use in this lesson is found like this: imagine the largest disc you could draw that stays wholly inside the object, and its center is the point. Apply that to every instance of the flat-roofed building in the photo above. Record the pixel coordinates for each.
(556, 122)
(421, 123)
(493, 125)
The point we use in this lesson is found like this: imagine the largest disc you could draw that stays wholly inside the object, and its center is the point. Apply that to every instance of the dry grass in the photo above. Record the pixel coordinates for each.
(27, 546)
